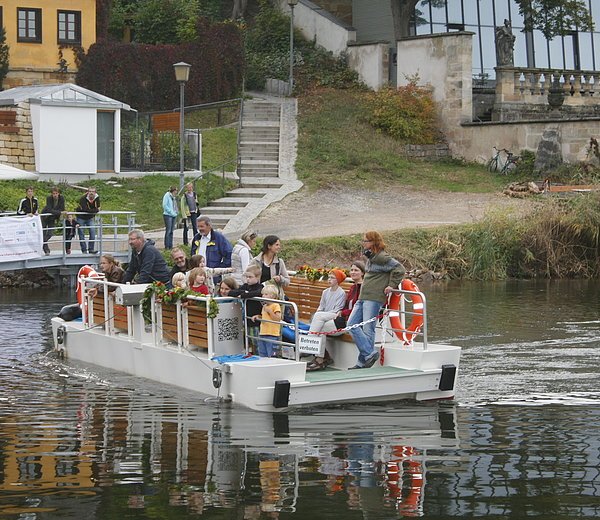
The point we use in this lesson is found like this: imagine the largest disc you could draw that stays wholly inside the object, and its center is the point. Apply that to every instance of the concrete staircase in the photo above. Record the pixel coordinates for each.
(259, 162)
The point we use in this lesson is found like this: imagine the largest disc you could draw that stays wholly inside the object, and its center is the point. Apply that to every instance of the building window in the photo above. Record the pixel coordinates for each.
(29, 25)
(69, 27)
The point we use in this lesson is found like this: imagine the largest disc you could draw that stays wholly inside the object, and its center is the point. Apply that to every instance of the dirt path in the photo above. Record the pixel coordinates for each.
(344, 211)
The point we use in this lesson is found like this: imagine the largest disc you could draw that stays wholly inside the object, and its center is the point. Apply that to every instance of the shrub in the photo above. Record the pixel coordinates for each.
(407, 113)
(143, 77)
(4, 52)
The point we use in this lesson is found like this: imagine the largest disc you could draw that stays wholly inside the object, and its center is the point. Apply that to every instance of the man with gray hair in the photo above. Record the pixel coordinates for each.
(212, 245)
(147, 265)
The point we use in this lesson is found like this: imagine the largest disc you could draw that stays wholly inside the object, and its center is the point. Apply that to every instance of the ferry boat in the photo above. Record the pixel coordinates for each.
(201, 344)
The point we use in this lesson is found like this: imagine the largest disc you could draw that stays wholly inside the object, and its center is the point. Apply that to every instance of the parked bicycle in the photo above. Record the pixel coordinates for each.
(503, 165)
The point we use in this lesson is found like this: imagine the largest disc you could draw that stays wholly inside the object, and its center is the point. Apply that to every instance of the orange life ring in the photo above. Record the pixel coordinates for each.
(406, 335)
(87, 271)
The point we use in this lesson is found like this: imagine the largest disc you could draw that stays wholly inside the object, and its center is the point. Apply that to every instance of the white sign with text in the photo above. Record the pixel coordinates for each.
(311, 344)
(21, 238)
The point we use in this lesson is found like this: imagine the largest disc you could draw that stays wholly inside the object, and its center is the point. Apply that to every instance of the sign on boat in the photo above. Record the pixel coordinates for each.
(202, 344)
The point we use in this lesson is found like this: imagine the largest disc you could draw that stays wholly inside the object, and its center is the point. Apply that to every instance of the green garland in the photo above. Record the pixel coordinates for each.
(315, 274)
(171, 296)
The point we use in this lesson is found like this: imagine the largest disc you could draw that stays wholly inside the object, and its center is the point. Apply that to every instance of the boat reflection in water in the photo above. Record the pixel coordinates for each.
(157, 453)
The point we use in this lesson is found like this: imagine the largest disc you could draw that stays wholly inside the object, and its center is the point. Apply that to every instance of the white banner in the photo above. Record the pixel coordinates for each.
(21, 238)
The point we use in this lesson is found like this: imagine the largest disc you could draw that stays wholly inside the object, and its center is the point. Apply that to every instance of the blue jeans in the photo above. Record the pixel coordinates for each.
(364, 336)
(169, 229)
(266, 348)
(89, 224)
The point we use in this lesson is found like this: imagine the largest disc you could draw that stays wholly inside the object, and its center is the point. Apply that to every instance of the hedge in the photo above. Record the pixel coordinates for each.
(143, 77)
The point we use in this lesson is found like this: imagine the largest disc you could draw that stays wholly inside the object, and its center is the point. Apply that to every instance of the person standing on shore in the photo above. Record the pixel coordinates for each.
(55, 206)
(169, 204)
(189, 210)
(88, 208)
(28, 205)
(383, 275)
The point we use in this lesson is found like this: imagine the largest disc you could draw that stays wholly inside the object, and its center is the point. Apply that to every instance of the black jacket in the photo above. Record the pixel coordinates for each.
(55, 207)
(85, 206)
(27, 206)
(149, 266)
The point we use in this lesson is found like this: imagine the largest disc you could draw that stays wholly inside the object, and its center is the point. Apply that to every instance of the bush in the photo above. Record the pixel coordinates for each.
(4, 53)
(407, 113)
(142, 75)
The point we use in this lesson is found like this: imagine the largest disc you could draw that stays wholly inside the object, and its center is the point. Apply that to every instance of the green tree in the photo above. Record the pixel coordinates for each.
(552, 17)
(4, 51)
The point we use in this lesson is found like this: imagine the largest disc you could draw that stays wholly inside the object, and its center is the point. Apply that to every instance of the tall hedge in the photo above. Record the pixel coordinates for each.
(143, 77)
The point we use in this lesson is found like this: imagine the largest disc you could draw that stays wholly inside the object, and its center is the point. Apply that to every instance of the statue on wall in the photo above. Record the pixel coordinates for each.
(505, 43)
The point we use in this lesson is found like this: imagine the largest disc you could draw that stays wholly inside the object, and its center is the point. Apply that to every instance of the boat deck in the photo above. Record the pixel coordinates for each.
(333, 374)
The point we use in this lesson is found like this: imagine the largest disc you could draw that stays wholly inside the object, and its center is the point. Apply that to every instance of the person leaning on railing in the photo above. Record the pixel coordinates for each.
(147, 265)
(112, 273)
(54, 208)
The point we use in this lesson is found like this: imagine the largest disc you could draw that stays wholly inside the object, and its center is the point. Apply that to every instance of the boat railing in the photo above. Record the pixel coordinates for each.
(417, 312)
(288, 349)
(183, 323)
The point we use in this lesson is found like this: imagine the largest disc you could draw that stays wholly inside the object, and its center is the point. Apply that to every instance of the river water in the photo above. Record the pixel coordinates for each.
(521, 439)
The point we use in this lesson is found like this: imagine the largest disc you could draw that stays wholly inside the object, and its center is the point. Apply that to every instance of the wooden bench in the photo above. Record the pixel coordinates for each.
(119, 313)
(197, 326)
(307, 295)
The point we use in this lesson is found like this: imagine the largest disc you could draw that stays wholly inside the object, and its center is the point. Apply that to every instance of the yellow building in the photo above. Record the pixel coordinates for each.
(42, 36)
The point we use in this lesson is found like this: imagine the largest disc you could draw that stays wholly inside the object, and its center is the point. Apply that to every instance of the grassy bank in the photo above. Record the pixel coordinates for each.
(337, 145)
(558, 238)
(142, 195)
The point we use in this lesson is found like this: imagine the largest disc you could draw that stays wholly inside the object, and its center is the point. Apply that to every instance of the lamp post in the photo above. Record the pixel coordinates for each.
(292, 4)
(182, 74)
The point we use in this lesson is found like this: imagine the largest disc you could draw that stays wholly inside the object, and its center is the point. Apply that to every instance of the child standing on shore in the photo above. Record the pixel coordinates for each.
(269, 332)
(197, 281)
(71, 226)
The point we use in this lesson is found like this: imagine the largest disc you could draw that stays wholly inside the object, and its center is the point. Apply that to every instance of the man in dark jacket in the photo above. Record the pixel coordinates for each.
(29, 204)
(89, 206)
(55, 205)
(212, 245)
(147, 264)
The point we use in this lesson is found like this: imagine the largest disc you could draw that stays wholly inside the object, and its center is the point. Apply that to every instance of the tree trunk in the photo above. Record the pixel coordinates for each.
(239, 9)
(402, 10)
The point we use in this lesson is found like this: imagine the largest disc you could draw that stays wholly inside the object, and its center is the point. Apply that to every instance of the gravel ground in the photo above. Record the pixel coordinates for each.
(344, 211)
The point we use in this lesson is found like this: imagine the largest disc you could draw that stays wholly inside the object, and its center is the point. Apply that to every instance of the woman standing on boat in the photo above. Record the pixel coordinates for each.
(272, 267)
(241, 256)
(383, 274)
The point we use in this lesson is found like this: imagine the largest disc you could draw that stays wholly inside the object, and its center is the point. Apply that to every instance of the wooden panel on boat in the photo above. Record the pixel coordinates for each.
(120, 314)
(306, 295)
(197, 326)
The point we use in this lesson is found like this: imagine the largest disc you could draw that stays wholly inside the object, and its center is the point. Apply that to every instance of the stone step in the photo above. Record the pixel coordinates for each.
(249, 134)
(234, 202)
(255, 184)
(220, 221)
(247, 193)
(260, 145)
(258, 168)
(259, 156)
(259, 163)
(220, 210)
(250, 173)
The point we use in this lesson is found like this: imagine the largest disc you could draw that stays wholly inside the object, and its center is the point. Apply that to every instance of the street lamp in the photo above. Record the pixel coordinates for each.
(182, 74)
(292, 4)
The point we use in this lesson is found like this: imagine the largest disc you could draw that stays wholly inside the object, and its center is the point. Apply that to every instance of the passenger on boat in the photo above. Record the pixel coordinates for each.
(212, 245)
(269, 332)
(211, 272)
(383, 274)
(272, 267)
(178, 281)
(251, 289)
(181, 264)
(197, 281)
(112, 273)
(147, 265)
(241, 255)
(339, 320)
(228, 284)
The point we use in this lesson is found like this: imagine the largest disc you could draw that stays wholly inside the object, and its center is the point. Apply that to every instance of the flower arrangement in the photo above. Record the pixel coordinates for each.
(171, 296)
(316, 274)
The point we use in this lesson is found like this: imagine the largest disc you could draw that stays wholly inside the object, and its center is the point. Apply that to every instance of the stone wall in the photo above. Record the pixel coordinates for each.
(16, 149)
(24, 77)
(427, 151)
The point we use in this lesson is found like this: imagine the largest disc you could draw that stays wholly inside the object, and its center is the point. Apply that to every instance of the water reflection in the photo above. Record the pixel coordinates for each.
(79, 441)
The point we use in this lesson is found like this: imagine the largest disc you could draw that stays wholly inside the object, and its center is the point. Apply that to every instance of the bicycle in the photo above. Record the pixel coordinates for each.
(497, 165)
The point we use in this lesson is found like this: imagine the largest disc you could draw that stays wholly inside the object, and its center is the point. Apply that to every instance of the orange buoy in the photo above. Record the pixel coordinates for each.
(87, 271)
(406, 335)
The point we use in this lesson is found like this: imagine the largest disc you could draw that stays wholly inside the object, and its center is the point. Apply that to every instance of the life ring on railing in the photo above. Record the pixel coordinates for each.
(87, 271)
(406, 335)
